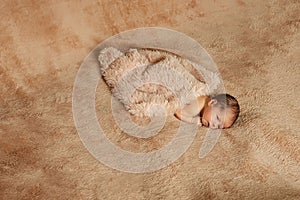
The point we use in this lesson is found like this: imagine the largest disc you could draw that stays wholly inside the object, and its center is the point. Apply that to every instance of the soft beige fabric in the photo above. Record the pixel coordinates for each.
(255, 44)
(143, 78)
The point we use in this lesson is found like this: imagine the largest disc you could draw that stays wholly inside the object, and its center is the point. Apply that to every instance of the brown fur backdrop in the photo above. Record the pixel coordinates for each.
(256, 45)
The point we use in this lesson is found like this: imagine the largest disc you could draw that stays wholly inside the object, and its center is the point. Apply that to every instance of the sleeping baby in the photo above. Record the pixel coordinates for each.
(141, 78)
(220, 111)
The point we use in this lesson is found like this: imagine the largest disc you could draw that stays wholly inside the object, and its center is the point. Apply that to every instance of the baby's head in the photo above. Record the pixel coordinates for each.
(220, 111)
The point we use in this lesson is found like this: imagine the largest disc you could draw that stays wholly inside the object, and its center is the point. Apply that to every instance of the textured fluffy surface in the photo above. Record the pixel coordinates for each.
(142, 78)
(256, 47)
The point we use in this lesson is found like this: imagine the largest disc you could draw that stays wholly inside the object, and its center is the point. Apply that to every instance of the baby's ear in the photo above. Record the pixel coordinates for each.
(212, 102)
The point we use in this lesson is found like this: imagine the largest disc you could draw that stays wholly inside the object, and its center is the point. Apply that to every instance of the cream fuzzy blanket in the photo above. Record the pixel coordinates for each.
(143, 78)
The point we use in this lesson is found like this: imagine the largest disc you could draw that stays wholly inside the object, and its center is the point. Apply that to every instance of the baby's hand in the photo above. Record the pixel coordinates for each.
(188, 119)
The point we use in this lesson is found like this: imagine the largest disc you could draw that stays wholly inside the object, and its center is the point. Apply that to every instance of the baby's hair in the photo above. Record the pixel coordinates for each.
(225, 101)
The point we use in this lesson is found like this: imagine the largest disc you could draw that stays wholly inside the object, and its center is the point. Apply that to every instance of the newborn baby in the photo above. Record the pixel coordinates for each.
(157, 77)
(220, 111)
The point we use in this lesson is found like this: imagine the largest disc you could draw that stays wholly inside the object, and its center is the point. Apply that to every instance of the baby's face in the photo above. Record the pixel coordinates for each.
(215, 117)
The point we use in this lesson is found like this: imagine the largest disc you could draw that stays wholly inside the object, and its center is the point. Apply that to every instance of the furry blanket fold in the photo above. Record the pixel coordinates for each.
(142, 78)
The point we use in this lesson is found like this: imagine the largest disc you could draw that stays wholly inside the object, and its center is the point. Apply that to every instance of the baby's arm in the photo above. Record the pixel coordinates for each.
(190, 112)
